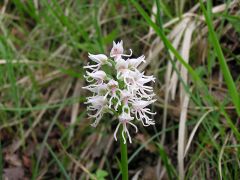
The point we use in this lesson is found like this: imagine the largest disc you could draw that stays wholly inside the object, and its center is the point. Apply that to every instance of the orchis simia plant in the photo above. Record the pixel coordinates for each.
(120, 89)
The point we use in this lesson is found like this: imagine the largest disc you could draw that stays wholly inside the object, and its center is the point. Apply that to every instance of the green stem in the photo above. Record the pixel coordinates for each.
(124, 156)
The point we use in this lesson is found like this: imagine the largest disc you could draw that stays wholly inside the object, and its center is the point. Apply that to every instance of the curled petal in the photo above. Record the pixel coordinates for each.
(136, 129)
(115, 132)
(129, 137)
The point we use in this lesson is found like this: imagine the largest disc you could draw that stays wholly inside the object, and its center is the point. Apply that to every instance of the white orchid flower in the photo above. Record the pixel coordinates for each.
(125, 119)
(135, 62)
(100, 59)
(112, 91)
(99, 76)
(117, 51)
(97, 104)
(126, 98)
(97, 88)
(140, 111)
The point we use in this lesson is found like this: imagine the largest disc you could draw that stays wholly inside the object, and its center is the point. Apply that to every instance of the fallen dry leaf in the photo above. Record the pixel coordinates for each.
(27, 162)
(16, 173)
(13, 159)
(149, 173)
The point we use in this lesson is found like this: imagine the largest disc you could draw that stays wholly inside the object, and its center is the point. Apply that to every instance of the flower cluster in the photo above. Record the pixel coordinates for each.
(119, 88)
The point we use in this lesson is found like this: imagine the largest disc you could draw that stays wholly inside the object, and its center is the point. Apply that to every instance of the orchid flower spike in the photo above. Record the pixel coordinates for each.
(125, 93)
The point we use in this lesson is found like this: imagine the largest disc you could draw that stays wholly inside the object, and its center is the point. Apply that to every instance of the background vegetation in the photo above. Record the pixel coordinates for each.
(192, 49)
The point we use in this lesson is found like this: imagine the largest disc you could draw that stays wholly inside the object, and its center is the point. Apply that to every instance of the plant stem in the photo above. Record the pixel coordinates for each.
(124, 156)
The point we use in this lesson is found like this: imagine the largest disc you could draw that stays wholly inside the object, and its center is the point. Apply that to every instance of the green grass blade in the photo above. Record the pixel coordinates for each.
(231, 125)
(167, 43)
(97, 27)
(60, 165)
(36, 168)
(159, 18)
(169, 167)
(224, 67)
(165, 9)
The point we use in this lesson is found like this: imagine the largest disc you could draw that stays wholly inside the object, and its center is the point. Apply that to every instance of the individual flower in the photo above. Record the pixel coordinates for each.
(125, 119)
(122, 90)
(117, 51)
(126, 98)
(100, 59)
(98, 104)
(97, 88)
(112, 91)
(135, 62)
(99, 76)
(140, 111)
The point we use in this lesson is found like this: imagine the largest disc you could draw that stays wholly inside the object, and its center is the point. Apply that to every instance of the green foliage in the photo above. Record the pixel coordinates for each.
(43, 47)
(101, 174)
(224, 67)
(167, 164)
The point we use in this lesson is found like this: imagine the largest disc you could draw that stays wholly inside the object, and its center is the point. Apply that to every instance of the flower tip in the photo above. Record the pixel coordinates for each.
(143, 58)
(130, 53)
(94, 125)
(115, 137)
(154, 100)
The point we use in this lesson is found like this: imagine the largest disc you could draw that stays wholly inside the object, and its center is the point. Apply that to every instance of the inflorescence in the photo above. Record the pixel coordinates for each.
(119, 88)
